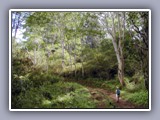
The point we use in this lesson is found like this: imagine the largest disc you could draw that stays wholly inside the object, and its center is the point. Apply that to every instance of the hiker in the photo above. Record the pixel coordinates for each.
(117, 94)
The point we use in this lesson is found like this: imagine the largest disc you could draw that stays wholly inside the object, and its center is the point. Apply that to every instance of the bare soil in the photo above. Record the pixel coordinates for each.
(100, 95)
(105, 98)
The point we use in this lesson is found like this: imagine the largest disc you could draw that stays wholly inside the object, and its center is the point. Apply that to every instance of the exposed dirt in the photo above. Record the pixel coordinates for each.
(101, 94)
(103, 97)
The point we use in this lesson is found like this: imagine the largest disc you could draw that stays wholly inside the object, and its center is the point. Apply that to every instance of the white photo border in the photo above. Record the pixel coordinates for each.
(77, 10)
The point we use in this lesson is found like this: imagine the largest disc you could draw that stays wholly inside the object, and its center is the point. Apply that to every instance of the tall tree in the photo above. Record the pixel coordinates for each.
(115, 26)
(139, 23)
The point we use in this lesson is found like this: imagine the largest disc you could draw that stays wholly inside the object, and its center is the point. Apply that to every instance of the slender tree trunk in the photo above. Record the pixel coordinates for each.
(17, 26)
(82, 58)
(70, 57)
(146, 69)
(75, 67)
(75, 71)
(47, 63)
(35, 56)
(62, 45)
(82, 68)
(62, 54)
(13, 23)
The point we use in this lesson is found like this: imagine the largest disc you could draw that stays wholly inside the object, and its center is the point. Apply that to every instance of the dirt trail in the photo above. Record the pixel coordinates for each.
(104, 96)
(101, 95)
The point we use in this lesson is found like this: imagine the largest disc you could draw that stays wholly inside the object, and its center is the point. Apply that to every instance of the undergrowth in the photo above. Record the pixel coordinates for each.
(57, 95)
(109, 85)
(135, 91)
(139, 98)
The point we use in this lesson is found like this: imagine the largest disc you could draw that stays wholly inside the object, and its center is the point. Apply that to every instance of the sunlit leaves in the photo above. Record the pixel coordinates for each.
(38, 19)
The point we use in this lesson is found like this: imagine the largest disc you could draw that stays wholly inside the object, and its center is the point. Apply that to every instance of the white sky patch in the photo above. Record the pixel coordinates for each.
(19, 35)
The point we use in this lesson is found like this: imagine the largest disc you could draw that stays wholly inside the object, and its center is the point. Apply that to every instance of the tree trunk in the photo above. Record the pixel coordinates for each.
(62, 54)
(13, 23)
(47, 63)
(117, 43)
(70, 57)
(144, 51)
(82, 69)
(121, 72)
(17, 26)
(62, 45)
(35, 56)
(120, 62)
(75, 68)
(82, 58)
(146, 69)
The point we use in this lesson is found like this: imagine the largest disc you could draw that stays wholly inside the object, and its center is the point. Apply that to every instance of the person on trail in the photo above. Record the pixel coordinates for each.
(117, 94)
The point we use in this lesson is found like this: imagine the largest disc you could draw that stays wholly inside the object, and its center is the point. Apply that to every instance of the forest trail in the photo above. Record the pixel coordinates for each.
(101, 95)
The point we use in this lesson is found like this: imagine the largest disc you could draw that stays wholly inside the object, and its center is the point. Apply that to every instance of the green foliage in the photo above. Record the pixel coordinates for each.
(111, 85)
(58, 95)
(134, 83)
(100, 62)
(135, 91)
(39, 79)
(140, 98)
(38, 18)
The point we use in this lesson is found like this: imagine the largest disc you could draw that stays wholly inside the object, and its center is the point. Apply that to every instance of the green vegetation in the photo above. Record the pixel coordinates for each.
(58, 95)
(139, 98)
(77, 59)
(135, 91)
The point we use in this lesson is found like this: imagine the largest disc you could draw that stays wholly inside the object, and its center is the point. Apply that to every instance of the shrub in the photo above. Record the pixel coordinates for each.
(139, 98)
(111, 85)
(58, 95)
(39, 79)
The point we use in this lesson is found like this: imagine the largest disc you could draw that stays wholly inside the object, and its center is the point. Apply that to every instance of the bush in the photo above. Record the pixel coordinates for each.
(58, 95)
(39, 79)
(139, 98)
(22, 86)
(111, 85)
(18, 87)
(134, 83)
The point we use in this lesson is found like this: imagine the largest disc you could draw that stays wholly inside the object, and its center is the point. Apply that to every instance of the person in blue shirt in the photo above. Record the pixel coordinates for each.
(117, 93)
